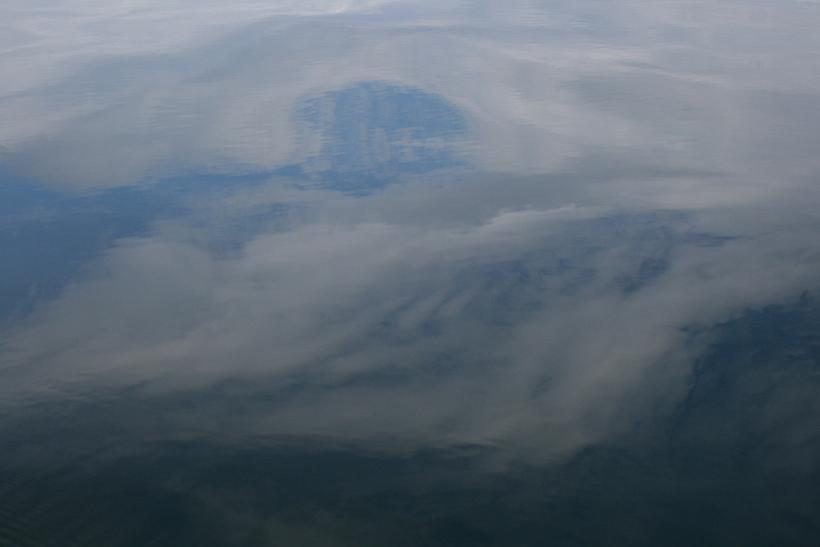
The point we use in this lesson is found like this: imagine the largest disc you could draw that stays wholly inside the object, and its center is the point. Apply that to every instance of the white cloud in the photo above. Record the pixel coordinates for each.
(331, 311)
(211, 86)
(421, 279)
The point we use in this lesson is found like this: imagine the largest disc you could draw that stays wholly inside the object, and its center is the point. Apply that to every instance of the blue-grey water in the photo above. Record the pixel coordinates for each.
(409, 273)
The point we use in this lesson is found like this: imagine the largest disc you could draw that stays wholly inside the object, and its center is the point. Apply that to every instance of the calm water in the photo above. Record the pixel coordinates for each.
(409, 273)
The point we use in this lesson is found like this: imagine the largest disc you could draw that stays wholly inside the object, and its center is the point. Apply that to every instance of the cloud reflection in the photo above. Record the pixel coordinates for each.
(540, 328)
(632, 174)
(541, 87)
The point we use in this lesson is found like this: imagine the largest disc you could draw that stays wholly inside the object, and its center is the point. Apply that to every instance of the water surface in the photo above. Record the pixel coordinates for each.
(378, 273)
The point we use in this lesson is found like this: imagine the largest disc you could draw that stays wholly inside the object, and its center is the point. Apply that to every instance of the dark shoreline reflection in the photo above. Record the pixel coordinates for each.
(372, 273)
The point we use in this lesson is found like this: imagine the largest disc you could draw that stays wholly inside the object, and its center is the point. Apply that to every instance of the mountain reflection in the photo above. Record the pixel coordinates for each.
(409, 273)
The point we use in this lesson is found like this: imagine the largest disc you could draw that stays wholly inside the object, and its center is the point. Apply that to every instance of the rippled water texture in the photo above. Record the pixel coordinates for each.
(409, 273)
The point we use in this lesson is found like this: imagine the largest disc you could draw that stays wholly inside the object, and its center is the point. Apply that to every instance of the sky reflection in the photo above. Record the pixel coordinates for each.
(538, 238)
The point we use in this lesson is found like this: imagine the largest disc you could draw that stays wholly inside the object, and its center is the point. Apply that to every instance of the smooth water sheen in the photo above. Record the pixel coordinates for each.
(385, 273)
